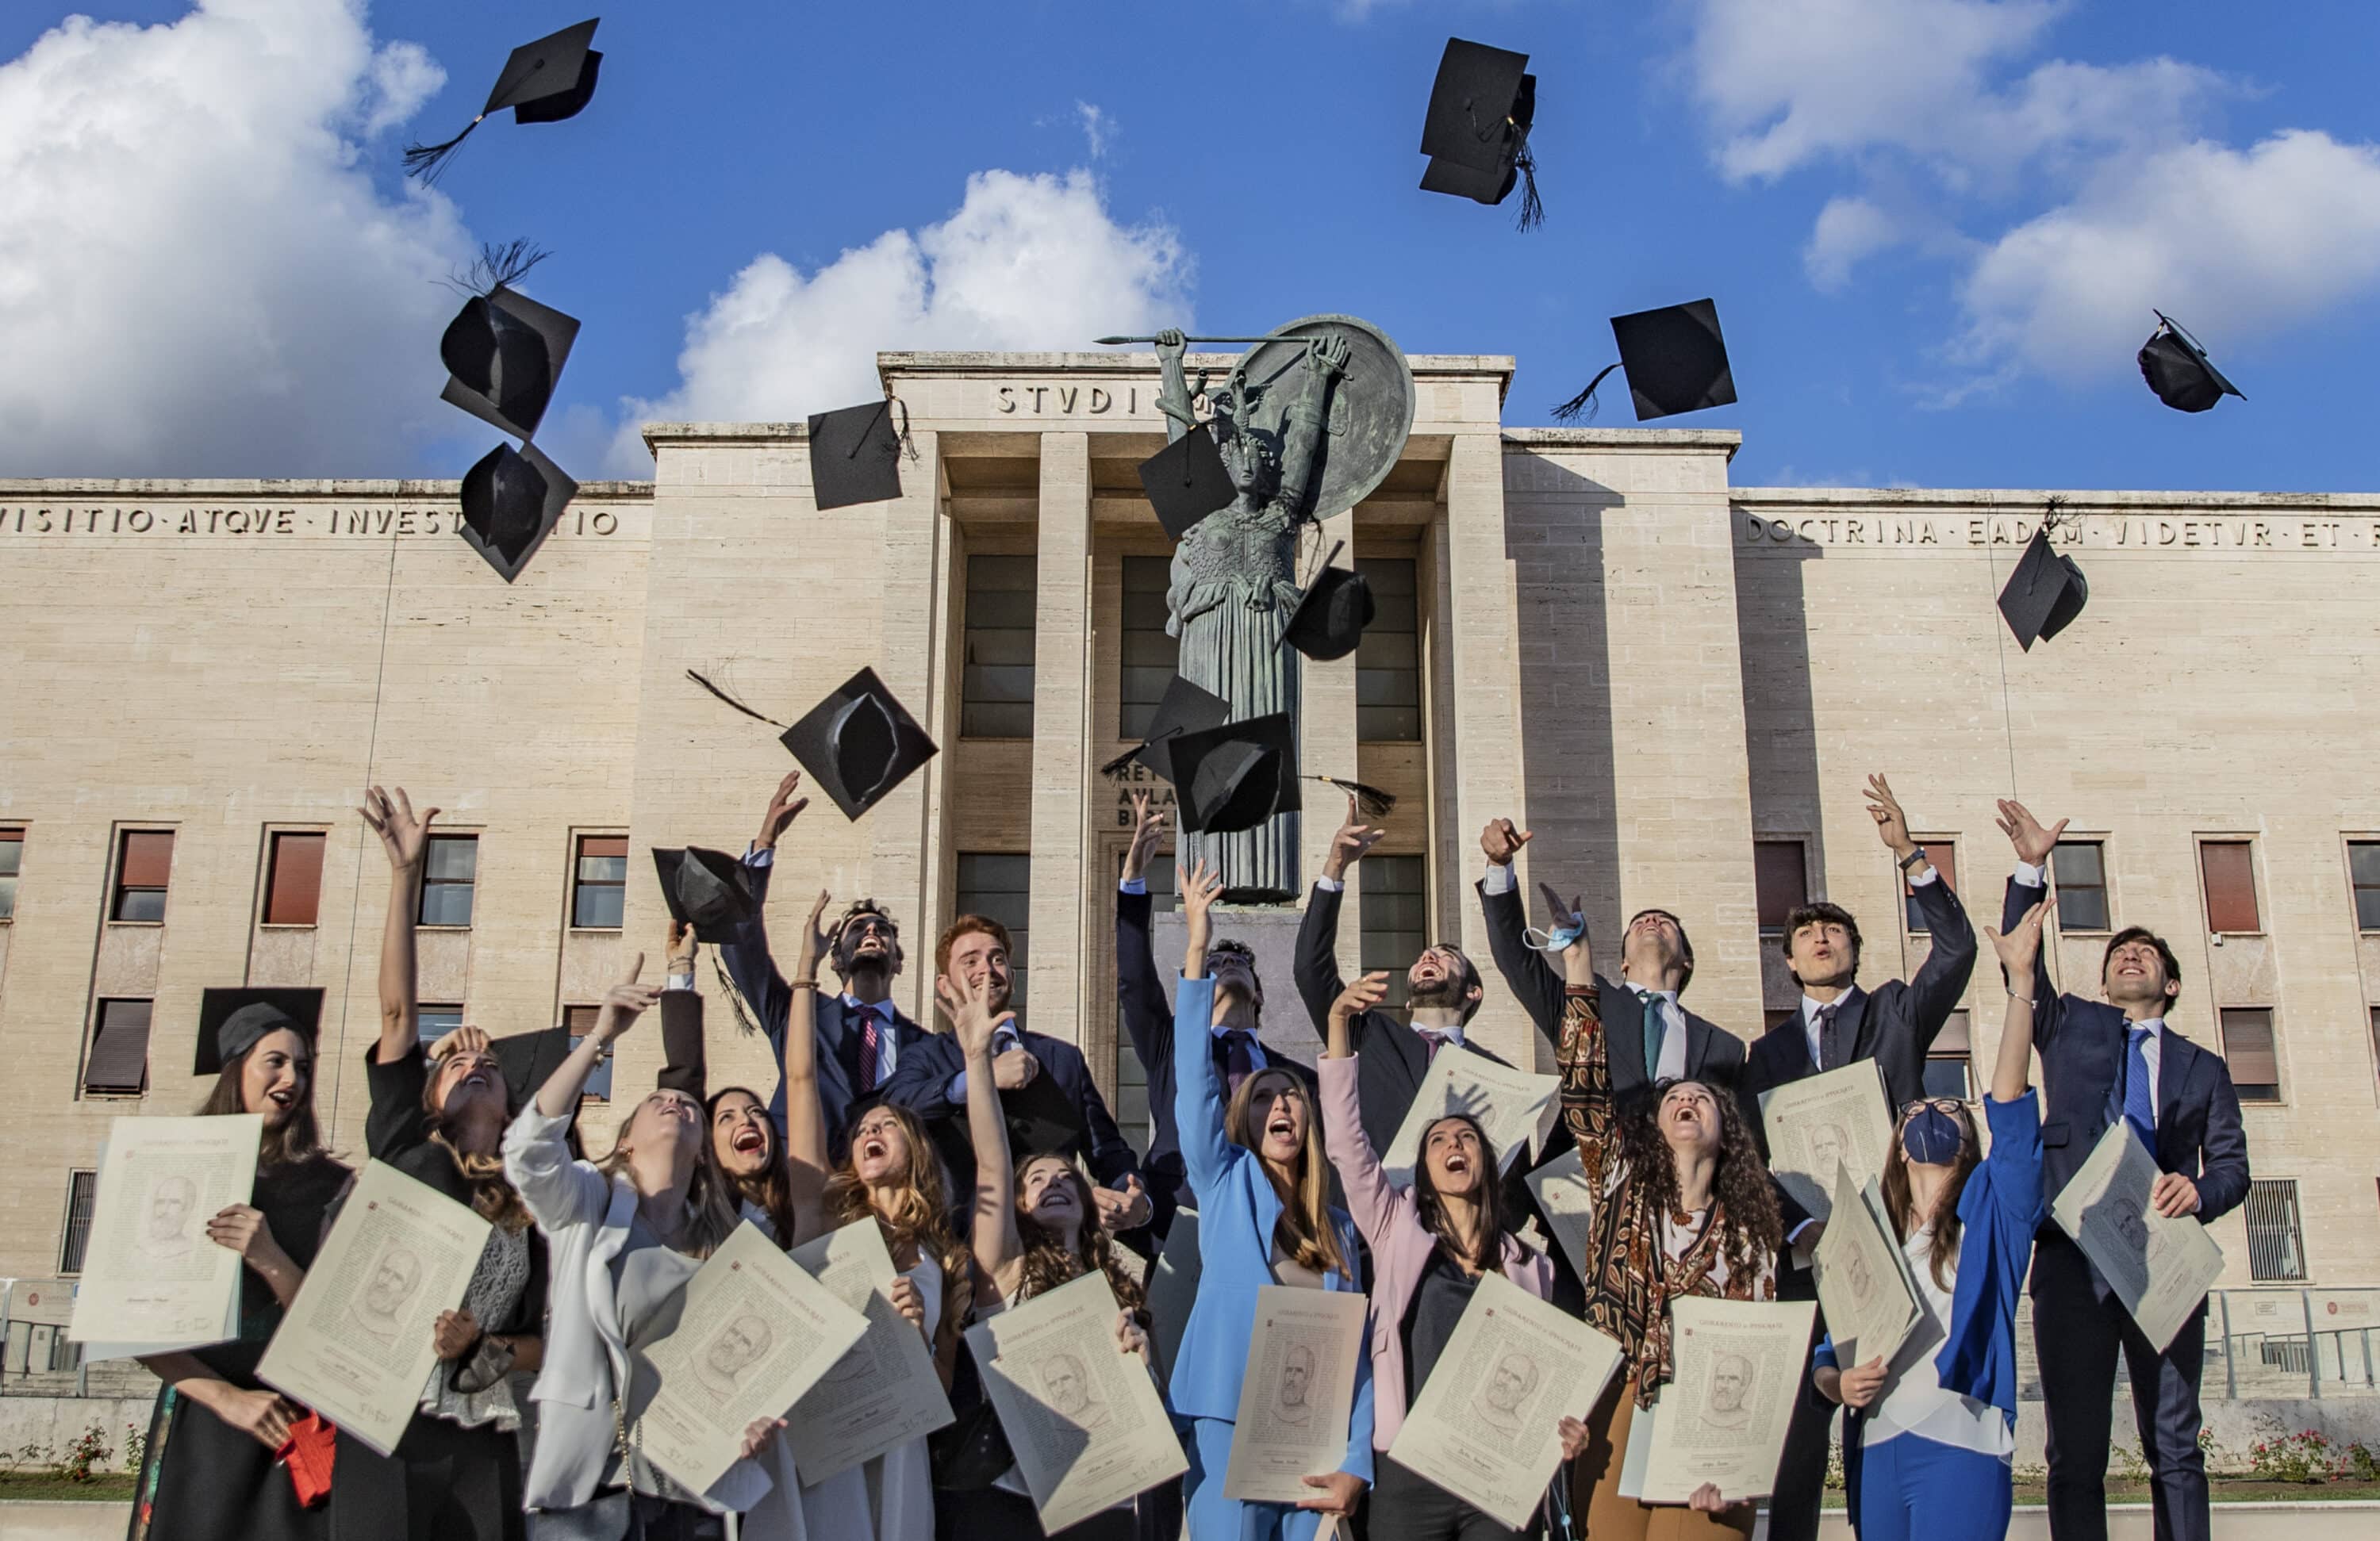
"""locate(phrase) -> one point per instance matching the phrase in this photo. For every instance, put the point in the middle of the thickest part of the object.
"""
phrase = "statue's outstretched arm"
(1326, 364)
(1173, 392)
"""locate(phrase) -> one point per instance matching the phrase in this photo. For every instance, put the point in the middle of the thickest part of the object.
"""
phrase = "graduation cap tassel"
(500, 266)
(427, 161)
(1582, 407)
(907, 448)
(1533, 208)
(744, 1023)
(731, 700)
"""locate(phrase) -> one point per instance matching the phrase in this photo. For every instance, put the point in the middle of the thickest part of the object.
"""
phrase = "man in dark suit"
(1442, 991)
(2102, 1062)
(862, 1036)
(1149, 1020)
(1045, 1083)
(1835, 1024)
(1650, 1036)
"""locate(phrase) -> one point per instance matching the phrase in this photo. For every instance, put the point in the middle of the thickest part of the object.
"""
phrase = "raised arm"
(749, 965)
(1585, 1065)
(1525, 971)
(2012, 1070)
(406, 839)
(993, 1224)
(1325, 363)
(1370, 1199)
(1950, 960)
(807, 1157)
(2033, 842)
(1197, 1086)
(1316, 963)
(557, 1190)
(1139, 991)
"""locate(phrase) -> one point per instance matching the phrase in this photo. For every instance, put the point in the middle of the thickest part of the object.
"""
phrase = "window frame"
(598, 1090)
(118, 890)
(1133, 713)
(99, 1023)
(970, 596)
(1020, 938)
(421, 897)
(1961, 1023)
(1911, 922)
(1796, 842)
(2104, 888)
(2273, 1192)
(1372, 677)
(1378, 947)
(2356, 891)
(580, 883)
(2272, 1030)
(424, 1009)
(2247, 845)
(80, 1181)
(274, 836)
(11, 835)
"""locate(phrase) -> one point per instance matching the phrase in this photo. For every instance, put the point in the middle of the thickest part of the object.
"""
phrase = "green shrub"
(2305, 1456)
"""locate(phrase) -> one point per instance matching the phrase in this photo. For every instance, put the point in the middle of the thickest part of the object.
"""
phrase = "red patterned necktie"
(1432, 1042)
(869, 1048)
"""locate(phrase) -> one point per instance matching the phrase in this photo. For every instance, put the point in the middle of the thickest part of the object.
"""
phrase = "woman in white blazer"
(624, 1234)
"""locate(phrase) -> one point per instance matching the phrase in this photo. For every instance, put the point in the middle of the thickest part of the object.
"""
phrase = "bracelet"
(801, 984)
(2026, 998)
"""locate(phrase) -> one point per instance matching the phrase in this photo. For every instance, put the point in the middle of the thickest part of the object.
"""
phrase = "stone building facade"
(1678, 684)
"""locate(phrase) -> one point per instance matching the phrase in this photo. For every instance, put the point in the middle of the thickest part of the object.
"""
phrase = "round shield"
(1371, 406)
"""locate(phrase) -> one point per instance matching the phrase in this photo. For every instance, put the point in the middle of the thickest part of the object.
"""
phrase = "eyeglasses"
(1949, 1105)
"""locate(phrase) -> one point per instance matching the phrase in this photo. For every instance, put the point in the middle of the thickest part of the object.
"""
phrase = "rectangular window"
(581, 1020)
(293, 879)
(996, 682)
(2081, 869)
(2251, 1053)
(118, 1064)
(1388, 661)
(1948, 1064)
(1780, 880)
(82, 1192)
(2229, 869)
(12, 856)
(600, 884)
(2276, 1244)
(1150, 656)
(449, 869)
(997, 886)
(1778, 1015)
(433, 1023)
(1395, 918)
(1943, 857)
(1131, 1077)
(2363, 871)
(144, 858)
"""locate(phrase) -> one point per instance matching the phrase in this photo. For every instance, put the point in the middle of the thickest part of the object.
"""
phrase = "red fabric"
(311, 1450)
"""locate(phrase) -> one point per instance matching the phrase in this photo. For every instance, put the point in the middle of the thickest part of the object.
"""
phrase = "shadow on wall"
(1779, 711)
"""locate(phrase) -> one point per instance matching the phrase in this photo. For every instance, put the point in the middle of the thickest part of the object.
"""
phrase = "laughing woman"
(1432, 1241)
(209, 1473)
(1684, 1209)
(1262, 1185)
(1931, 1434)
(456, 1470)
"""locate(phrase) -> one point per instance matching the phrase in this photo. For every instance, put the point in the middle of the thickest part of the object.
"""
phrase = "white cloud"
(196, 277)
(2233, 243)
(1097, 127)
(1849, 229)
(1024, 263)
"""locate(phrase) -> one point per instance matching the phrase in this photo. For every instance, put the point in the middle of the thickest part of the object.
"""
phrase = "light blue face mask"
(1556, 940)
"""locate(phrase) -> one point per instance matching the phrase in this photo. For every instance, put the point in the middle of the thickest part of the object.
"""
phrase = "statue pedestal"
(1271, 931)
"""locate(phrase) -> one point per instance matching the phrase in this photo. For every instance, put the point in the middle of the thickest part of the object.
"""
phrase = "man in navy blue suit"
(932, 1083)
(862, 1036)
(2105, 1061)
(1148, 1019)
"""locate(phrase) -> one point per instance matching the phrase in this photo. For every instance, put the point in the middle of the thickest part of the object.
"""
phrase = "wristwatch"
(1915, 859)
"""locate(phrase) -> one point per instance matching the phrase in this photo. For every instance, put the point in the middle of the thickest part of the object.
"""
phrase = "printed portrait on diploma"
(151, 1280)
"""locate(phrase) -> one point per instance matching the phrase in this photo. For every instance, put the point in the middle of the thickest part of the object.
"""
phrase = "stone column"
(1325, 746)
(907, 828)
(1062, 766)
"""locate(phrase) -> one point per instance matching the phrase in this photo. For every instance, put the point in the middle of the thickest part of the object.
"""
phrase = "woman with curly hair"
(1685, 1208)
(439, 1118)
(887, 1172)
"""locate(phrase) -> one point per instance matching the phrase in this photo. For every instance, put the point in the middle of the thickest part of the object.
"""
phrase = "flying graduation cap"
(1185, 708)
(1236, 776)
(1186, 480)
(856, 453)
(710, 890)
(512, 500)
(503, 351)
(858, 745)
(1675, 359)
(2047, 590)
(1476, 131)
(543, 82)
(1330, 617)
(2177, 369)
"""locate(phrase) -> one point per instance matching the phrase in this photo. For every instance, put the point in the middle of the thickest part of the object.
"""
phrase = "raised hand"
(1502, 841)
(680, 948)
(1891, 825)
(463, 1040)
(1148, 829)
(1347, 846)
(816, 941)
(1199, 891)
(1125, 1209)
(2033, 842)
(2022, 943)
(1360, 996)
(1328, 354)
(968, 1007)
(402, 835)
(783, 806)
(624, 1003)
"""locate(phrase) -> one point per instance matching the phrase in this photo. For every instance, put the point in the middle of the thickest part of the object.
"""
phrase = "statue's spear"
(1112, 342)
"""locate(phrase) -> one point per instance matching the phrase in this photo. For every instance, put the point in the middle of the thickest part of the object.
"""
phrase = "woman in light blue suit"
(1263, 1184)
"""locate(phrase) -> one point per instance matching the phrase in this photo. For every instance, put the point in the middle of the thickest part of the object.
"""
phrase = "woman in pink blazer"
(1431, 1242)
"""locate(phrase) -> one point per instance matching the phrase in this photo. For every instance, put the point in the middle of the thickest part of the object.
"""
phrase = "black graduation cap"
(512, 500)
(1676, 362)
(858, 744)
(710, 890)
(232, 1019)
(1236, 776)
(2044, 592)
(1186, 480)
(1330, 619)
(529, 1059)
(543, 82)
(856, 454)
(1476, 131)
(1182, 708)
(2177, 369)
(504, 353)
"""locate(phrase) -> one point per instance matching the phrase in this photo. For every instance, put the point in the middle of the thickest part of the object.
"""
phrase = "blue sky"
(1934, 228)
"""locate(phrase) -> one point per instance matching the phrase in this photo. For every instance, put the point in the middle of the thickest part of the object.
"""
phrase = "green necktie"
(1653, 1025)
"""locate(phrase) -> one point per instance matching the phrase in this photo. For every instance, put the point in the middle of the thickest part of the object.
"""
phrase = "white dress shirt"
(2153, 1051)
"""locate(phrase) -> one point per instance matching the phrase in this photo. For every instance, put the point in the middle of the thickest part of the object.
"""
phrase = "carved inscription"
(262, 523)
(2210, 532)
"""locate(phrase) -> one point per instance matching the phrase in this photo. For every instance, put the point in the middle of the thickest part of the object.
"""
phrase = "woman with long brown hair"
(1685, 1208)
(438, 1117)
(209, 1472)
(1262, 1184)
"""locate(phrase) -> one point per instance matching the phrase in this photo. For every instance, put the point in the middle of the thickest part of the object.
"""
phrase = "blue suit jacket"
(2082, 1047)
(921, 1083)
(1237, 1208)
(757, 978)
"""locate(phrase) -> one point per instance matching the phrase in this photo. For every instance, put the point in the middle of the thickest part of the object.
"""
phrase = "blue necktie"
(2134, 1099)
(1655, 1022)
